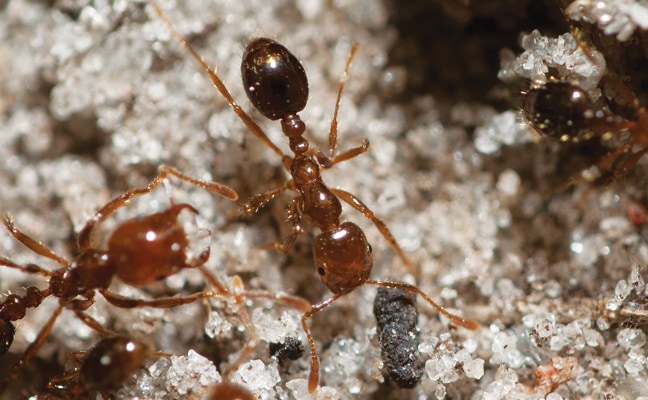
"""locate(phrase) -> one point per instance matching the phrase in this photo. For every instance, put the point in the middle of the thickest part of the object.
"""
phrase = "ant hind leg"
(356, 203)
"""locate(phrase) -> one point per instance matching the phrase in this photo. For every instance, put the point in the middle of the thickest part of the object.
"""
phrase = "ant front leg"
(260, 200)
(76, 358)
(328, 162)
(33, 245)
(294, 215)
(28, 268)
(164, 172)
(355, 202)
(93, 323)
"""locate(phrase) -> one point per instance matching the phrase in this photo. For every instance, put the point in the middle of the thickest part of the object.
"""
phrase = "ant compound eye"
(321, 271)
(370, 248)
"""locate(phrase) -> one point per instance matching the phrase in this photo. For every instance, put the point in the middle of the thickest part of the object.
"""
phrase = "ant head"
(111, 361)
(150, 248)
(274, 79)
(343, 258)
(230, 391)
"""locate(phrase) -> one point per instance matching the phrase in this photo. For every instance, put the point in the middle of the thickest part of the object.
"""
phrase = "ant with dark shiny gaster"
(561, 111)
(277, 86)
(566, 109)
(109, 362)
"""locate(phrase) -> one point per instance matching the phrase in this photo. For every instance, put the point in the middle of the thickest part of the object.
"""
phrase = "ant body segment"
(139, 251)
(229, 391)
(276, 84)
(104, 367)
(561, 111)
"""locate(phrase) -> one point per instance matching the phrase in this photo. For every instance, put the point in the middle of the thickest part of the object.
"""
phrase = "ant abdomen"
(276, 84)
(274, 79)
(7, 333)
(562, 111)
(343, 258)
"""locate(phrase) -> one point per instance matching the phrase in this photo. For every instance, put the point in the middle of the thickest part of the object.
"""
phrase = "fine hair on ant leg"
(276, 84)
(139, 251)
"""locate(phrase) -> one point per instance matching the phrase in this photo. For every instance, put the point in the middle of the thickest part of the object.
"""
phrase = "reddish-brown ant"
(277, 86)
(110, 361)
(139, 251)
(103, 367)
(229, 391)
(561, 111)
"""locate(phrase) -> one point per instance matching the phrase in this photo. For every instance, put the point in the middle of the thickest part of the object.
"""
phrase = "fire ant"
(277, 86)
(110, 361)
(104, 367)
(561, 111)
(229, 391)
(140, 251)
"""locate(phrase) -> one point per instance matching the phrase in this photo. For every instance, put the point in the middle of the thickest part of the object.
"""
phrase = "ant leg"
(294, 215)
(32, 244)
(220, 86)
(334, 122)
(68, 375)
(617, 164)
(354, 202)
(239, 294)
(78, 307)
(455, 319)
(28, 268)
(313, 377)
(213, 187)
(253, 340)
(31, 350)
(327, 162)
(215, 283)
(120, 201)
(260, 200)
(93, 323)
(163, 302)
(624, 164)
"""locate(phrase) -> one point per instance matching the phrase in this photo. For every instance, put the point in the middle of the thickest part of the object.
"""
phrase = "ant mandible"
(277, 86)
(140, 251)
